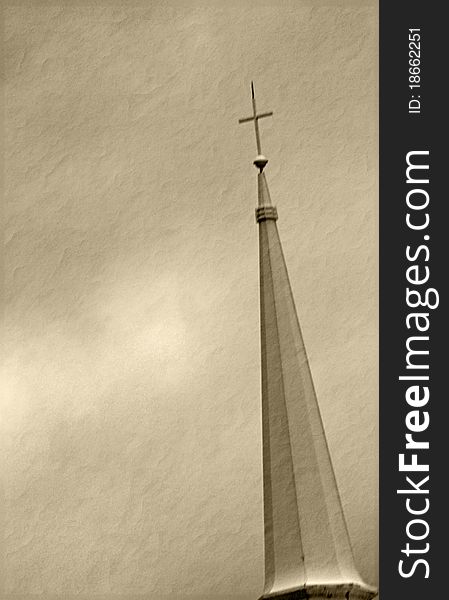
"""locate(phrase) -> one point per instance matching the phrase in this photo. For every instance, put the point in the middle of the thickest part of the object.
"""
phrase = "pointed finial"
(260, 160)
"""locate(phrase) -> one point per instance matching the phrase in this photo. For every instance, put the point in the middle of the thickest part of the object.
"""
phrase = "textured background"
(131, 452)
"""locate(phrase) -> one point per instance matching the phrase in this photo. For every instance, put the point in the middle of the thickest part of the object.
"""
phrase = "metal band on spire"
(260, 160)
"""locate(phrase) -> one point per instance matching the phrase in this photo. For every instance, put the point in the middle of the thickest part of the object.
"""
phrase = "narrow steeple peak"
(260, 161)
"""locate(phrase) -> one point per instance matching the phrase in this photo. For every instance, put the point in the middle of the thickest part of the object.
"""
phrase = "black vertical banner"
(414, 360)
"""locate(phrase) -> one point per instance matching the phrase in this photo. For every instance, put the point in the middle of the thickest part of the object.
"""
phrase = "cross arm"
(259, 116)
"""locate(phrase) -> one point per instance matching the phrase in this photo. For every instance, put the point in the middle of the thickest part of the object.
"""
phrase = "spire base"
(339, 591)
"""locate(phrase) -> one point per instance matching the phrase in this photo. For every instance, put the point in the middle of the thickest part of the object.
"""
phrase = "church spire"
(307, 548)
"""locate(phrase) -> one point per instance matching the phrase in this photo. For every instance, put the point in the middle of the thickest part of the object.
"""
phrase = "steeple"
(307, 549)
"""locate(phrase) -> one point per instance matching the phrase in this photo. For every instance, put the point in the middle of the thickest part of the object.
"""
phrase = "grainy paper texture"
(131, 373)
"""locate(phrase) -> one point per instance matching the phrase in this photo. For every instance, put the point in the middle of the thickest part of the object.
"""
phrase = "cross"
(256, 118)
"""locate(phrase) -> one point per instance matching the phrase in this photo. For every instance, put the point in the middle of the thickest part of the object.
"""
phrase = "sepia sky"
(131, 425)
